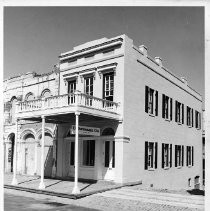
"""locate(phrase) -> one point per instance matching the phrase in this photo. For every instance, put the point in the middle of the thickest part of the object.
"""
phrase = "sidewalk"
(58, 187)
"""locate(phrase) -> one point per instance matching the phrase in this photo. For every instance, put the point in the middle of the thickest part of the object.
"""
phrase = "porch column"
(41, 184)
(14, 180)
(76, 188)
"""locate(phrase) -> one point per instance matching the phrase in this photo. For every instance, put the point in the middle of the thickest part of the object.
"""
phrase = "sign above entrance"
(83, 130)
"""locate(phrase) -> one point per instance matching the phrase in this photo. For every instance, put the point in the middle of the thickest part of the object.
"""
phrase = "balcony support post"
(41, 184)
(76, 189)
(14, 180)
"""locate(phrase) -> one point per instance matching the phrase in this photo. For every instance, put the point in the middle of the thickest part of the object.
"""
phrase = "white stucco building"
(109, 112)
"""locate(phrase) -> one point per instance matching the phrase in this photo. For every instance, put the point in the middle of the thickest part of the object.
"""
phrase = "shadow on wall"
(196, 192)
(48, 162)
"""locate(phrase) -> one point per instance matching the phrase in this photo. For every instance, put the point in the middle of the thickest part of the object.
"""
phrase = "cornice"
(78, 52)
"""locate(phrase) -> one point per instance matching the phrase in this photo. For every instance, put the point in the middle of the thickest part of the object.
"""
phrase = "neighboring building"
(132, 119)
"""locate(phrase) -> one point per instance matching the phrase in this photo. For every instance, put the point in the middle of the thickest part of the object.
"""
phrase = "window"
(29, 96)
(166, 107)
(189, 116)
(151, 101)
(197, 120)
(108, 86)
(71, 90)
(179, 112)
(151, 149)
(72, 146)
(190, 155)
(166, 155)
(109, 154)
(89, 89)
(88, 152)
(179, 155)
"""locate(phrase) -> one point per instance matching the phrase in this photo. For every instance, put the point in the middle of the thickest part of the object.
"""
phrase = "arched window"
(13, 108)
(46, 93)
(108, 132)
(29, 96)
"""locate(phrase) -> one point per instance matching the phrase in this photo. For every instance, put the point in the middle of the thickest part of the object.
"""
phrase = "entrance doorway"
(109, 159)
(11, 152)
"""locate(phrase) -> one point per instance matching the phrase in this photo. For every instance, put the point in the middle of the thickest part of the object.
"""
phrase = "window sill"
(190, 126)
(151, 169)
(189, 166)
(179, 123)
(166, 168)
(152, 115)
(179, 167)
(168, 120)
(198, 128)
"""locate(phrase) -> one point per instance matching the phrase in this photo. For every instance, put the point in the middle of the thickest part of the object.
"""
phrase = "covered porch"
(73, 111)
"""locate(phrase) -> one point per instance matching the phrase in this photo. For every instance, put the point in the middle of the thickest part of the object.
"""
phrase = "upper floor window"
(190, 155)
(197, 120)
(46, 93)
(108, 86)
(166, 155)
(166, 107)
(71, 90)
(151, 101)
(179, 155)
(89, 89)
(151, 152)
(179, 112)
(29, 96)
(189, 116)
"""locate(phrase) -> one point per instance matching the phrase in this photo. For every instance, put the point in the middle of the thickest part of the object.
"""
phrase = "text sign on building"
(83, 130)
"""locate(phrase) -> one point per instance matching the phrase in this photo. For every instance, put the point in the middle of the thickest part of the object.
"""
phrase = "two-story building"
(115, 114)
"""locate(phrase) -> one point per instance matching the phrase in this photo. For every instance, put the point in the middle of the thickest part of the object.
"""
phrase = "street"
(20, 203)
(21, 200)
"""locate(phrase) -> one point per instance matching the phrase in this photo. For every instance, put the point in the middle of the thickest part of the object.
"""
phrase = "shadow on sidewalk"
(28, 181)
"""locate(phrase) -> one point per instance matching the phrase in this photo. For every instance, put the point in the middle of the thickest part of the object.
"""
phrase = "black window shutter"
(182, 113)
(163, 156)
(192, 117)
(146, 98)
(163, 105)
(146, 156)
(199, 119)
(171, 108)
(175, 111)
(170, 155)
(175, 155)
(156, 154)
(192, 156)
(182, 155)
(187, 155)
(156, 103)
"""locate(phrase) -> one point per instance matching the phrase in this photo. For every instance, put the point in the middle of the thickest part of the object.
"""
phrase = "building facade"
(107, 112)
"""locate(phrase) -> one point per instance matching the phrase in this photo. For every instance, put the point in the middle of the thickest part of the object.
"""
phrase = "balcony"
(66, 104)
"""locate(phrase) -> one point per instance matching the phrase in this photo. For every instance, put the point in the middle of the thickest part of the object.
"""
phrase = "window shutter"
(192, 156)
(192, 117)
(146, 156)
(187, 155)
(175, 155)
(163, 105)
(146, 98)
(163, 156)
(171, 108)
(182, 155)
(175, 111)
(182, 113)
(156, 154)
(170, 155)
(156, 103)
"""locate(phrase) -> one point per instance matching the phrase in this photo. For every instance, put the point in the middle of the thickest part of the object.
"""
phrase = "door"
(109, 159)
(71, 159)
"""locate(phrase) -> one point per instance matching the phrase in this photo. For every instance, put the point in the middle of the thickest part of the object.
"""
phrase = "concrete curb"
(70, 196)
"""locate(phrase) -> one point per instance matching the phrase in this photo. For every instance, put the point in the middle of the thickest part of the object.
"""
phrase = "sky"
(34, 37)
